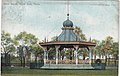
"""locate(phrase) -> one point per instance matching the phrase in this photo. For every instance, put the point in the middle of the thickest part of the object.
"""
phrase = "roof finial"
(67, 9)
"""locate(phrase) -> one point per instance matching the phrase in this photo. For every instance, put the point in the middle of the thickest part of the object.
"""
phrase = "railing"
(67, 61)
(15, 64)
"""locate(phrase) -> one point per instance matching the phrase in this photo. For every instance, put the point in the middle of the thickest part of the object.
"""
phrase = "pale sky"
(97, 19)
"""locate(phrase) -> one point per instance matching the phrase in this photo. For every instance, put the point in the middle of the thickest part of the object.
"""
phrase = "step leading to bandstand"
(67, 66)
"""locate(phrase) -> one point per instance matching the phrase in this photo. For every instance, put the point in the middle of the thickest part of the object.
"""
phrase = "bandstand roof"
(68, 35)
(68, 38)
(68, 44)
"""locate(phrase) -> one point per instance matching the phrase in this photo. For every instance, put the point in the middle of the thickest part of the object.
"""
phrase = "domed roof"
(68, 23)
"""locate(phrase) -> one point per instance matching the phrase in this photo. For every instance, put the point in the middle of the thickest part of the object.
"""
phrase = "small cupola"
(67, 23)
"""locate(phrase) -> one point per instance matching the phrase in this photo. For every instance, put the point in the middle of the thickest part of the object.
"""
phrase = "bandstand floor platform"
(68, 66)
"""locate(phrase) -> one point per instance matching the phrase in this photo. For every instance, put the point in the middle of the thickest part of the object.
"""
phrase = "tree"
(52, 53)
(24, 39)
(24, 54)
(37, 50)
(79, 32)
(68, 54)
(7, 45)
(83, 52)
(115, 51)
(54, 38)
(62, 52)
(20, 52)
(97, 48)
(107, 47)
(102, 48)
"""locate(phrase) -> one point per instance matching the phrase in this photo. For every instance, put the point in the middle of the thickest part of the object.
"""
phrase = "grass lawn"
(39, 72)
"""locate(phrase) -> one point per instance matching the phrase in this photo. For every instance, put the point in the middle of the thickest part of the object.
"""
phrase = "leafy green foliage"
(26, 38)
(52, 53)
(79, 32)
(106, 48)
(54, 38)
(7, 42)
(115, 50)
(36, 50)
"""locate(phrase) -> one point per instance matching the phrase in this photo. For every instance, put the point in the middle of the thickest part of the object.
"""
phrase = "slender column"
(76, 54)
(90, 55)
(47, 55)
(56, 55)
(44, 56)
(45, 50)
(57, 47)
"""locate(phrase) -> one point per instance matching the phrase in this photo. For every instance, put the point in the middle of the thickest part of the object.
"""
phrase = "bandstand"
(67, 40)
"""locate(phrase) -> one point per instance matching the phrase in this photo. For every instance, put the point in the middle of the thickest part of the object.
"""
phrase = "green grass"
(38, 72)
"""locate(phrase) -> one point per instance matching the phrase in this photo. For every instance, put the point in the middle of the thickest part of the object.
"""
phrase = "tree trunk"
(6, 61)
(106, 60)
(36, 59)
(95, 57)
(70, 55)
(23, 61)
(115, 60)
(62, 57)
(83, 56)
(9, 59)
